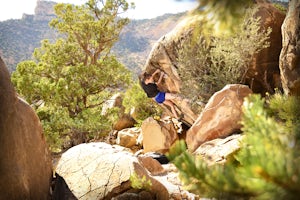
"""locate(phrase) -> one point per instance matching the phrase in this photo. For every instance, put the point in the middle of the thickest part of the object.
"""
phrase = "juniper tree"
(69, 80)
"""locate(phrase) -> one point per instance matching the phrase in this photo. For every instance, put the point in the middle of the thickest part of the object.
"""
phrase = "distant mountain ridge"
(19, 38)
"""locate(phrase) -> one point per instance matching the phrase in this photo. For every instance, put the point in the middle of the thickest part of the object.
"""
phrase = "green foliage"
(207, 66)
(272, 145)
(286, 110)
(222, 16)
(135, 98)
(140, 182)
(94, 29)
(221, 182)
(73, 77)
(280, 6)
(266, 167)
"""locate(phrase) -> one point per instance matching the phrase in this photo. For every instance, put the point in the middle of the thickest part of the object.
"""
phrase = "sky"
(144, 9)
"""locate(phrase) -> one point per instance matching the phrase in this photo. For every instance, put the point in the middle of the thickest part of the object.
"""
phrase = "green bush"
(208, 64)
(140, 182)
(90, 124)
(135, 98)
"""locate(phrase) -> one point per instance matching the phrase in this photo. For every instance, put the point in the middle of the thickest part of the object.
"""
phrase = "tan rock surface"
(158, 136)
(290, 54)
(102, 171)
(128, 137)
(220, 117)
(264, 74)
(94, 170)
(26, 168)
(218, 150)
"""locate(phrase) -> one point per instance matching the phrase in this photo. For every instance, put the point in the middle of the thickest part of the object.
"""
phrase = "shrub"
(136, 98)
(208, 64)
(140, 182)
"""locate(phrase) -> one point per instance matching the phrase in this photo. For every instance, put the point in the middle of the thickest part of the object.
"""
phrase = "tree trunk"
(290, 54)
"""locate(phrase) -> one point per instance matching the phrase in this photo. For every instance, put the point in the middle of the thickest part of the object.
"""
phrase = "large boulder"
(164, 56)
(102, 171)
(96, 170)
(263, 74)
(26, 168)
(164, 53)
(220, 117)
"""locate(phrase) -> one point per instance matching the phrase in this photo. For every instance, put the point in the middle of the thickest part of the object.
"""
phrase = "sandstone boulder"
(124, 121)
(26, 168)
(218, 151)
(152, 165)
(128, 137)
(263, 74)
(102, 171)
(220, 117)
(158, 136)
(164, 56)
(96, 170)
(99, 171)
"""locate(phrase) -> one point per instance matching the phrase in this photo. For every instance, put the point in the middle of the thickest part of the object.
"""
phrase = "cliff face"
(44, 10)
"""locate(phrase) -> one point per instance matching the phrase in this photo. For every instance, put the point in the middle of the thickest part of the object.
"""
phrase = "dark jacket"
(151, 89)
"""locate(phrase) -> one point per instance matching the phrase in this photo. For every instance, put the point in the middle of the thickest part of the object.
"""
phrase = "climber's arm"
(156, 72)
(160, 78)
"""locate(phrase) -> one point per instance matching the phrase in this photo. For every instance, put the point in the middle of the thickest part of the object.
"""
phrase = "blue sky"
(145, 9)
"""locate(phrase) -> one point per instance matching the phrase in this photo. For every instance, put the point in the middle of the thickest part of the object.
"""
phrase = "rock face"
(220, 117)
(114, 101)
(290, 54)
(128, 137)
(25, 169)
(95, 170)
(219, 150)
(264, 74)
(163, 56)
(158, 136)
(44, 10)
(102, 171)
(124, 121)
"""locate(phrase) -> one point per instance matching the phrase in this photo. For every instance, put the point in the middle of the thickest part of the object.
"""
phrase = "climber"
(151, 89)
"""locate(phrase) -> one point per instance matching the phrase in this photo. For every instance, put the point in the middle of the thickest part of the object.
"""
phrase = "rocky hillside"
(19, 38)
